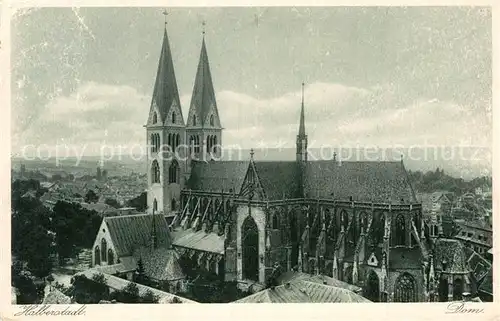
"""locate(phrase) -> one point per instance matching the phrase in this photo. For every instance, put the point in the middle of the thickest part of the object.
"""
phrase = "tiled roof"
(479, 265)
(302, 291)
(320, 293)
(217, 176)
(160, 264)
(165, 91)
(404, 258)
(115, 268)
(278, 178)
(290, 293)
(451, 251)
(363, 181)
(117, 283)
(291, 276)
(486, 285)
(200, 240)
(129, 232)
(203, 97)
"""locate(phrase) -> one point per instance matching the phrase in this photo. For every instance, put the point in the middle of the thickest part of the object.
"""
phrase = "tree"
(88, 291)
(24, 282)
(129, 294)
(139, 203)
(112, 202)
(31, 238)
(75, 228)
(149, 297)
(91, 197)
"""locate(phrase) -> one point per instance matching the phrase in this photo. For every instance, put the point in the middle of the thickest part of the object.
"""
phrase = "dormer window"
(211, 120)
(155, 118)
(173, 117)
(194, 120)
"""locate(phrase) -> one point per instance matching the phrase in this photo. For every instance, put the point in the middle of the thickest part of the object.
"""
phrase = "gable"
(212, 111)
(372, 260)
(179, 119)
(154, 109)
(252, 183)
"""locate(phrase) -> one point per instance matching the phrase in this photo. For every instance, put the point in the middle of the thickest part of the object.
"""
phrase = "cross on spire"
(203, 23)
(251, 153)
(165, 13)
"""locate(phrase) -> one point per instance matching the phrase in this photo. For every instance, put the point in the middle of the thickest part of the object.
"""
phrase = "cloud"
(94, 115)
(336, 116)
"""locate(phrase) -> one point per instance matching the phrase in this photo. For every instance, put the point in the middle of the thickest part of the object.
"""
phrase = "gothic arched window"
(155, 118)
(111, 257)
(173, 205)
(194, 120)
(177, 140)
(155, 172)
(169, 141)
(173, 117)
(97, 255)
(275, 221)
(104, 249)
(399, 231)
(211, 120)
(173, 172)
(405, 289)
(458, 289)
(155, 205)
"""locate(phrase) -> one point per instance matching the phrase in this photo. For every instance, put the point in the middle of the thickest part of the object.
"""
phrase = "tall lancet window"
(155, 172)
(104, 249)
(155, 118)
(173, 117)
(399, 231)
(194, 120)
(211, 120)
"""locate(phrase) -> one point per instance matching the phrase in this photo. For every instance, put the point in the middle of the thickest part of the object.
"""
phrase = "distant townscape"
(196, 229)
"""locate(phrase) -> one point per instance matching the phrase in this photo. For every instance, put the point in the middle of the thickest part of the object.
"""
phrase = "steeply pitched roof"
(217, 176)
(278, 179)
(130, 232)
(160, 264)
(452, 251)
(203, 91)
(165, 91)
(321, 293)
(486, 285)
(363, 181)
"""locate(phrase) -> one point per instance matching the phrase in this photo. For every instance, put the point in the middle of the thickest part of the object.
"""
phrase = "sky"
(374, 76)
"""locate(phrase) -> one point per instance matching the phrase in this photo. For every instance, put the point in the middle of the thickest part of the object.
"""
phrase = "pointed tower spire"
(301, 143)
(203, 110)
(302, 125)
(165, 92)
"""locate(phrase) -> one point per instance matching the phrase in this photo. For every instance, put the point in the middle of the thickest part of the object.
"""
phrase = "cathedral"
(356, 221)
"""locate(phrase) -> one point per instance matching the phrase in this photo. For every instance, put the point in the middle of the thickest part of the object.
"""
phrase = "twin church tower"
(173, 143)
